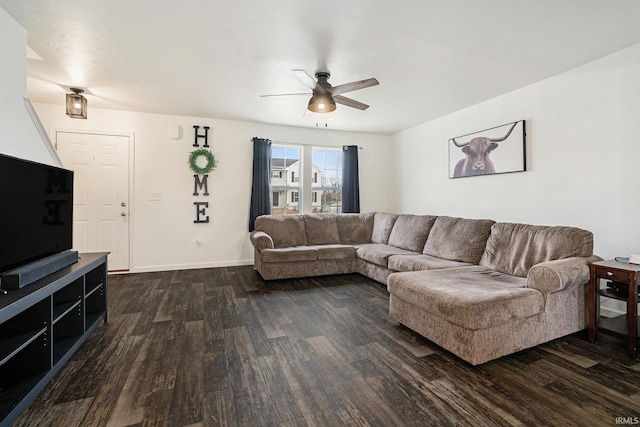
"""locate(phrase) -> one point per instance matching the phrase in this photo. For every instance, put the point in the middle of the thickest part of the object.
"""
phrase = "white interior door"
(101, 192)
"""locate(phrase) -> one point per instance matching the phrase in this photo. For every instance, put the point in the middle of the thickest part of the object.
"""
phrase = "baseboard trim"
(154, 268)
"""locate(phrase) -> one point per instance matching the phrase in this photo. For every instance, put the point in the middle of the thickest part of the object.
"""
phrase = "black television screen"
(36, 211)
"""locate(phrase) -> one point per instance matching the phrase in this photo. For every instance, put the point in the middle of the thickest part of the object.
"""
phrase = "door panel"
(101, 192)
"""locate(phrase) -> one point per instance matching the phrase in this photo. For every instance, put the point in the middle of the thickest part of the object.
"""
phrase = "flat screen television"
(36, 212)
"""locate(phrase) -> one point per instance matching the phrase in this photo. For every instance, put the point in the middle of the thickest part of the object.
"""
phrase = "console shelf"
(43, 324)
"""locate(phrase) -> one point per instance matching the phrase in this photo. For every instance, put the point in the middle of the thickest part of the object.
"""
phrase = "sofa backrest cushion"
(515, 248)
(322, 229)
(355, 227)
(458, 239)
(382, 226)
(285, 230)
(410, 231)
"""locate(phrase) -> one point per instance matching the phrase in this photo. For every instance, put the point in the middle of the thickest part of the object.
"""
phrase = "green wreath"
(193, 161)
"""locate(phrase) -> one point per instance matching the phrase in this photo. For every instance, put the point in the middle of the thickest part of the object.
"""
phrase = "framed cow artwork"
(501, 149)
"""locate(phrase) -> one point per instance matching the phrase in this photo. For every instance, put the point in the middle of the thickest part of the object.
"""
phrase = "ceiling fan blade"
(348, 87)
(286, 94)
(350, 102)
(308, 80)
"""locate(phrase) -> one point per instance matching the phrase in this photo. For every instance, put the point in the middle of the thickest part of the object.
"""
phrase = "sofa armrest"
(261, 240)
(557, 275)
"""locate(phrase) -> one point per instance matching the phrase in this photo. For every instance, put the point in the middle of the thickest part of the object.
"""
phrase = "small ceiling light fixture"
(321, 103)
(76, 104)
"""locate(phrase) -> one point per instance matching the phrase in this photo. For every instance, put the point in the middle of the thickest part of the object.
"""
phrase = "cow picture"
(492, 151)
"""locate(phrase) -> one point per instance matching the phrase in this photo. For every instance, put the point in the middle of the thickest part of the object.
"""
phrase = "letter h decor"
(205, 136)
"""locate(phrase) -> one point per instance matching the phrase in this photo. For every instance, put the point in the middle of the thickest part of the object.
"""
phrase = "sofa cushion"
(321, 229)
(336, 251)
(382, 226)
(471, 297)
(421, 262)
(378, 254)
(410, 231)
(291, 254)
(355, 227)
(458, 239)
(285, 230)
(515, 248)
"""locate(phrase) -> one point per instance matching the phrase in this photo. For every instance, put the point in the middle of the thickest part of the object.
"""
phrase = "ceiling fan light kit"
(76, 104)
(321, 103)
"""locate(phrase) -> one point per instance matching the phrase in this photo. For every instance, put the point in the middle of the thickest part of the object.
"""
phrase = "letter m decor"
(201, 185)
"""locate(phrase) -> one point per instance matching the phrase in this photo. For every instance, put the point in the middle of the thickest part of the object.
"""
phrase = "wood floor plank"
(222, 347)
(219, 402)
(68, 414)
(189, 389)
(251, 394)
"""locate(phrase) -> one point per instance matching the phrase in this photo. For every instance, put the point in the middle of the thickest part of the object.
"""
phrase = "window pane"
(332, 159)
(327, 163)
(285, 174)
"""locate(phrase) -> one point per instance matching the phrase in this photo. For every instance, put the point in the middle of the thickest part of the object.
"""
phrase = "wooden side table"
(624, 326)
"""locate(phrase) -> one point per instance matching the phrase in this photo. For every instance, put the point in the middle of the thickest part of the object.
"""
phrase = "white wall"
(583, 157)
(163, 233)
(18, 134)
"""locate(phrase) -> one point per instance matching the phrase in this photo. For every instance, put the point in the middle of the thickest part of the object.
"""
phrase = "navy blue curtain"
(350, 181)
(261, 187)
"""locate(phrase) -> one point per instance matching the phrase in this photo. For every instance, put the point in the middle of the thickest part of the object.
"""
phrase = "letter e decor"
(501, 149)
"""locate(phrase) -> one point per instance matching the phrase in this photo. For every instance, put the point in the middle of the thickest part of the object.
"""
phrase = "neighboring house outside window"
(285, 165)
(322, 183)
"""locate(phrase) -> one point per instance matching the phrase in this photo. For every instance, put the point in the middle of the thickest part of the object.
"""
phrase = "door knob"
(123, 204)
(123, 214)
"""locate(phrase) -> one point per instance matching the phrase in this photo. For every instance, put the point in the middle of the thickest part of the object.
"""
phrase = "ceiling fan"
(324, 96)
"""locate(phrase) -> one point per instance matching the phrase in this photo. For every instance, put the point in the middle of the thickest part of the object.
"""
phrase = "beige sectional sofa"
(478, 288)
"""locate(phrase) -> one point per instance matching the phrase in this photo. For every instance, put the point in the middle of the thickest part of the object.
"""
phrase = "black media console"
(43, 324)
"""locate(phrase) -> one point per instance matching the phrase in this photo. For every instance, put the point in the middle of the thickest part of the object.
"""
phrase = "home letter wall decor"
(201, 170)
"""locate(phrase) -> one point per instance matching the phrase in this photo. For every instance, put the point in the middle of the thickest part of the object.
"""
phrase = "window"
(285, 171)
(314, 186)
(329, 165)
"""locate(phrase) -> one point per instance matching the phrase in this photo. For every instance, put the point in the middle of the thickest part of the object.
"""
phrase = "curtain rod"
(306, 143)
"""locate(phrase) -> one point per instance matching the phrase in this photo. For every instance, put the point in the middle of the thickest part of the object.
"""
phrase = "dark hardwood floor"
(218, 347)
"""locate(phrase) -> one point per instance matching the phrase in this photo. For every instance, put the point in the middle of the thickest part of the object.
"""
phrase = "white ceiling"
(213, 58)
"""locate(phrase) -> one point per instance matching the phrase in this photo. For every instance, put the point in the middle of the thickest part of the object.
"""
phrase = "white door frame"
(131, 203)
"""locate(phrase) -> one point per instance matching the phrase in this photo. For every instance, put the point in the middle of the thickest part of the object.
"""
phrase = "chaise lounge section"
(478, 288)
(528, 288)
